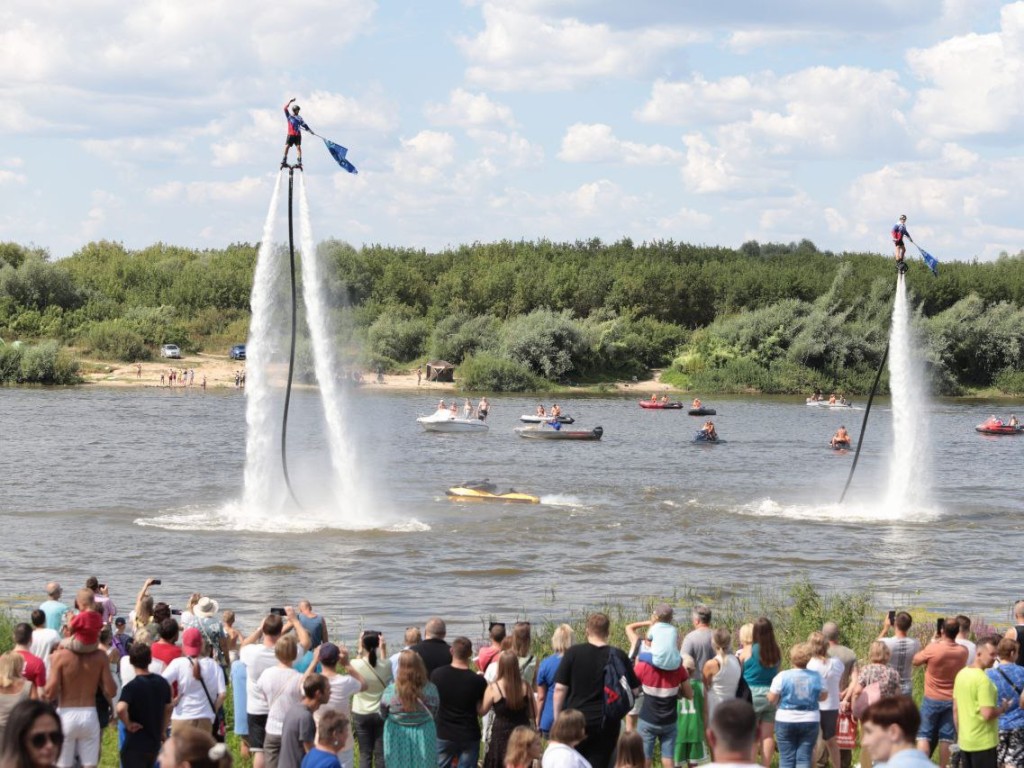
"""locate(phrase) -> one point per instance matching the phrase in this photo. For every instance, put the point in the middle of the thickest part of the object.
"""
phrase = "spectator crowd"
(162, 677)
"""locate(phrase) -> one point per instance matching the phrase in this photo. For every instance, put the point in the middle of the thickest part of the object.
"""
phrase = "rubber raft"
(998, 428)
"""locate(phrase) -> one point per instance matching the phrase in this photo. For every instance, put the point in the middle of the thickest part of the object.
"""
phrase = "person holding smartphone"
(902, 647)
(942, 660)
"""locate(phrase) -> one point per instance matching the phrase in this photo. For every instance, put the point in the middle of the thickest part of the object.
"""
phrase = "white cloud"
(247, 188)
(698, 100)
(522, 50)
(747, 40)
(976, 82)
(595, 143)
(508, 149)
(465, 110)
(138, 148)
(12, 177)
(424, 158)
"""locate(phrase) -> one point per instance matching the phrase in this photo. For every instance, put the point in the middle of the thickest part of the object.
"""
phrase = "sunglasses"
(39, 740)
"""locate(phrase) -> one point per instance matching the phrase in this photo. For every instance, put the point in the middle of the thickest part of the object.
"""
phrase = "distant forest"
(517, 316)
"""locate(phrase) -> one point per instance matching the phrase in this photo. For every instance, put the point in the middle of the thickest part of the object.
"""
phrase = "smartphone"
(892, 616)
(175, 611)
(102, 586)
(154, 582)
(940, 624)
(277, 611)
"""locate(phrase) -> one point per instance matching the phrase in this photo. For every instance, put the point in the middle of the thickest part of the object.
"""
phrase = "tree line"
(517, 315)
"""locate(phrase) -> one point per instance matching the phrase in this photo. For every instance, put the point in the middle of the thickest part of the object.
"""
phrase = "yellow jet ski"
(486, 491)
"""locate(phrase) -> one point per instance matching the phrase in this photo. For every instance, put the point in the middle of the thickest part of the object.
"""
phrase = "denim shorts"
(936, 721)
(666, 734)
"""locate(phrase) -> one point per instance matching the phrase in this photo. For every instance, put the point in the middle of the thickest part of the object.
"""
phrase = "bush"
(458, 336)
(548, 343)
(487, 373)
(1010, 382)
(116, 339)
(44, 363)
(397, 336)
(10, 364)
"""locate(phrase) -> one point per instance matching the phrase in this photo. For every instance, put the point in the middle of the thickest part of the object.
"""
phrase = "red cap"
(192, 641)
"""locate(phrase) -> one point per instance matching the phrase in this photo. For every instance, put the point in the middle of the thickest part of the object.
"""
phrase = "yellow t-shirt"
(972, 690)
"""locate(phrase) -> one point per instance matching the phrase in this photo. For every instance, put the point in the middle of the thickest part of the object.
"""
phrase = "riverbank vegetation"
(519, 316)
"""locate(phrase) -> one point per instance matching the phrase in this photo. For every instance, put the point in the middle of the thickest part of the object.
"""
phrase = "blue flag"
(339, 152)
(931, 261)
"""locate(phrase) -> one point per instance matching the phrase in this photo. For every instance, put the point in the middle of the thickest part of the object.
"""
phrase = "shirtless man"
(555, 411)
(696, 403)
(709, 430)
(73, 681)
(841, 437)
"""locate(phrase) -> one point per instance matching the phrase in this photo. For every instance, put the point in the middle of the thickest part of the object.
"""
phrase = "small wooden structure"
(440, 370)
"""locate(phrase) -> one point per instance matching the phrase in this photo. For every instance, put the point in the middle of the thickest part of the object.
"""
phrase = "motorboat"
(543, 432)
(997, 427)
(702, 411)
(651, 405)
(444, 421)
(487, 491)
(826, 404)
(527, 419)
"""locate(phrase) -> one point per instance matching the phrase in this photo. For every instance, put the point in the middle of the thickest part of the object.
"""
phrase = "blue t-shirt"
(799, 691)
(546, 677)
(54, 613)
(1014, 717)
(238, 690)
(320, 758)
(907, 758)
(664, 639)
(315, 626)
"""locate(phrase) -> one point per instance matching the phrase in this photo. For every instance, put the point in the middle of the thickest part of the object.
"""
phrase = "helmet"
(295, 109)
(903, 216)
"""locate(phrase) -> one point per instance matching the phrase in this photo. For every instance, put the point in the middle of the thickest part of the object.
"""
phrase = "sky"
(480, 120)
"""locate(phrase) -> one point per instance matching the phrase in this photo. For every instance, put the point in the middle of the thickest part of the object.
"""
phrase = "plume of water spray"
(347, 492)
(263, 478)
(908, 473)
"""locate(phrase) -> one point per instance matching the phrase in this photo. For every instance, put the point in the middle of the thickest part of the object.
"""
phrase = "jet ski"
(486, 491)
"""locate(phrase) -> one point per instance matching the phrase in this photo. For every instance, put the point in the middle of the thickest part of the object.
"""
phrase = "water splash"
(909, 485)
(353, 501)
(263, 476)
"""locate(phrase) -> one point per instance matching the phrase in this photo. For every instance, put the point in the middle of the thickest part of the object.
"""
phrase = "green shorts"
(763, 708)
(690, 752)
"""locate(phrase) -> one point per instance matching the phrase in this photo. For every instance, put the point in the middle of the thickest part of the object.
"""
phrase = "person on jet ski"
(841, 437)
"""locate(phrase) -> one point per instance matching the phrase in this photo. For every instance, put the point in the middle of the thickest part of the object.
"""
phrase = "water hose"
(291, 352)
(867, 411)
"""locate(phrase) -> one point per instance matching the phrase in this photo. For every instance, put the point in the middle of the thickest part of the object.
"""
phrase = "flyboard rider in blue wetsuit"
(295, 127)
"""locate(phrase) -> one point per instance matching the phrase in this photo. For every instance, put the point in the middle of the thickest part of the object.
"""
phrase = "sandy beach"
(220, 373)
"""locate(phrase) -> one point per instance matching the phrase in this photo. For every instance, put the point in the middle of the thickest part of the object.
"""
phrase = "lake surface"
(132, 483)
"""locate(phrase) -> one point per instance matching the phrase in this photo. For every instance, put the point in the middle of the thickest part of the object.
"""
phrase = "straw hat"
(206, 608)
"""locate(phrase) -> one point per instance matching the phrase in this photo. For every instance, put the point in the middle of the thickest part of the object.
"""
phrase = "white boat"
(444, 421)
(826, 404)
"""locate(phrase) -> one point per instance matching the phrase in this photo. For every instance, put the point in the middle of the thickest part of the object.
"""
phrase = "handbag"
(868, 696)
(219, 729)
(846, 731)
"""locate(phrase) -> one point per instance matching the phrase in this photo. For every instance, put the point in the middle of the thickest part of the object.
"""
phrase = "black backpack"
(618, 696)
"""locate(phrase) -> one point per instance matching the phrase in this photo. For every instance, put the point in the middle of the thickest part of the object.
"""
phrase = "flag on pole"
(339, 153)
(931, 261)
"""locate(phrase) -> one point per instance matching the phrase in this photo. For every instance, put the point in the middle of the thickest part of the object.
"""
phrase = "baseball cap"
(192, 641)
(329, 654)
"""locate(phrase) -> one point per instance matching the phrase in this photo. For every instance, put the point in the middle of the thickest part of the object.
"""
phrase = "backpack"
(743, 691)
(617, 698)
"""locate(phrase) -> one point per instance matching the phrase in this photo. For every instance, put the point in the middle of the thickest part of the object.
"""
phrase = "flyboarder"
(295, 123)
(899, 231)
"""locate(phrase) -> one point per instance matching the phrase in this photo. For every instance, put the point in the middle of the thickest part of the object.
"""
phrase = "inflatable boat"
(653, 406)
(998, 428)
(702, 411)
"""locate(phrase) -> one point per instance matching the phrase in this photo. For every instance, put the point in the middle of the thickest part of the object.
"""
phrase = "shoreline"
(220, 374)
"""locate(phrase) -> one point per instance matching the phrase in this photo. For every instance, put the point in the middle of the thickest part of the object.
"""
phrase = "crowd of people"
(162, 678)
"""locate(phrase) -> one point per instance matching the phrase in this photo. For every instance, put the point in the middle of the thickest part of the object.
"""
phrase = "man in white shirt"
(732, 734)
(44, 639)
(964, 638)
(257, 653)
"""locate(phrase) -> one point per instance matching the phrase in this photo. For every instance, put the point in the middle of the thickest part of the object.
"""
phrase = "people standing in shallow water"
(841, 438)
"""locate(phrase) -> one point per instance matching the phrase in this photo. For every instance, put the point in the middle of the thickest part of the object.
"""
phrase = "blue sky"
(705, 122)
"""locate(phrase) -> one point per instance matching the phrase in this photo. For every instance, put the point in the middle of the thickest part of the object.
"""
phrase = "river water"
(134, 483)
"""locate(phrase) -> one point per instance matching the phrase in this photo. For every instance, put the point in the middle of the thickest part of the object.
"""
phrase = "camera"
(155, 582)
(940, 624)
(892, 616)
(175, 611)
(371, 633)
(277, 611)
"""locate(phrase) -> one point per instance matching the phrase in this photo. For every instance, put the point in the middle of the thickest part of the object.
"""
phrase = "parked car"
(170, 350)
(237, 352)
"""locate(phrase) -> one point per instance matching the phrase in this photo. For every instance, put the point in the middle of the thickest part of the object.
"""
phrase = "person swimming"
(709, 431)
